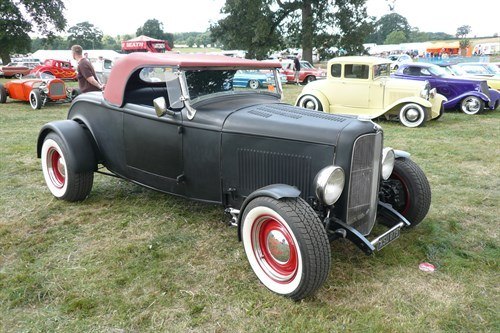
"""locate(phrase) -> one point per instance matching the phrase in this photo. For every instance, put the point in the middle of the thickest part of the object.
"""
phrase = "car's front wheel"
(472, 105)
(59, 172)
(286, 245)
(407, 190)
(412, 115)
(310, 102)
(3, 94)
(254, 84)
(36, 101)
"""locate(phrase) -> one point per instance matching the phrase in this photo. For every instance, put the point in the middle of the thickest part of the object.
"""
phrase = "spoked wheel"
(310, 102)
(472, 105)
(58, 171)
(254, 84)
(407, 190)
(412, 115)
(3, 94)
(36, 99)
(286, 245)
(18, 76)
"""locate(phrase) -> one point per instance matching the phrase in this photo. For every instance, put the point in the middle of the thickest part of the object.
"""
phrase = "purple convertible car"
(471, 95)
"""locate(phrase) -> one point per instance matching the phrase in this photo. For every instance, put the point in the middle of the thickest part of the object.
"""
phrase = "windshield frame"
(438, 71)
(277, 79)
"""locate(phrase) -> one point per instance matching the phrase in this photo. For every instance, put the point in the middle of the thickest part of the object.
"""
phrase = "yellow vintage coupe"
(362, 86)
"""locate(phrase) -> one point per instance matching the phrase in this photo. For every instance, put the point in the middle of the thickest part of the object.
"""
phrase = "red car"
(58, 68)
(307, 72)
(37, 90)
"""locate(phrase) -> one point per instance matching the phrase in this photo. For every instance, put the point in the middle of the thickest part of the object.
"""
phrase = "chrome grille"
(57, 89)
(364, 182)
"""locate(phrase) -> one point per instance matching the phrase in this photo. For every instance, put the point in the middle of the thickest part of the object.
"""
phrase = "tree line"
(257, 26)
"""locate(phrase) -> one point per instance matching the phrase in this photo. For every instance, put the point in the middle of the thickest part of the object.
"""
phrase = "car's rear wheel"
(286, 245)
(36, 99)
(310, 102)
(59, 172)
(412, 115)
(254, 84)
(310, 78)
(472, 105)
(3, 94)
(407, 190)
(18, 76)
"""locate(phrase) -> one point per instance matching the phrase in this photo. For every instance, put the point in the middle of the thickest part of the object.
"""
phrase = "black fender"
(275, 191)
(78, 143)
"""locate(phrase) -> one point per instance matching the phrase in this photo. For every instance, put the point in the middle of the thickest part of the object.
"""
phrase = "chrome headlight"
(388, 159)
(329, 184)
(424, 94)
(433, 92)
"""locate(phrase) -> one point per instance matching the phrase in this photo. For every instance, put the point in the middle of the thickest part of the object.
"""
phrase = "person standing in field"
(296, 65)
(87, 79)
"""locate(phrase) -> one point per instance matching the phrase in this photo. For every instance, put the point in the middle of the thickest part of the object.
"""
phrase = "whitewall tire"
(286, 245)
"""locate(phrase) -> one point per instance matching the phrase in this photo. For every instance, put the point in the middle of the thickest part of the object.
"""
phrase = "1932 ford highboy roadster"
(292, 179)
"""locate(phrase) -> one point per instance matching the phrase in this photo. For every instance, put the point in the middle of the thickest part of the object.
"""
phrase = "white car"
(398, 59)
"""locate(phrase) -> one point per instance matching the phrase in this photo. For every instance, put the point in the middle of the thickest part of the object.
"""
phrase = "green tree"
(387, 24)
(396, 37)
(261, 25)
(20, 17)
(110, 43)
(52, 43)
(86, 35)
(154, 29)
(463, 31)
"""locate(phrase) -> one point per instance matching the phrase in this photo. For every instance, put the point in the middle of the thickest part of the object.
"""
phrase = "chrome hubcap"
(278, 246)
(61, 168)
(472, 105)
(412, 115)
(310, 105)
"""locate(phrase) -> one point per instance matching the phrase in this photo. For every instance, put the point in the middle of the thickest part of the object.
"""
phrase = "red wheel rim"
(275, 249)
(56, 168)
(407, 192)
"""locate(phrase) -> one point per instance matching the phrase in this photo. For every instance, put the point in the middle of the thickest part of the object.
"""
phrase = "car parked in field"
(308, 72)
(58, 68)
(18, 69)
(398, 59)
(291, 179)
(470, 95)
(37, 90)
(454, 70)
(362, 86)
(255, 79)
(480, 68)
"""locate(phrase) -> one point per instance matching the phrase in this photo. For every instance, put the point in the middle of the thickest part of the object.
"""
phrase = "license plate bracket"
(388, 238)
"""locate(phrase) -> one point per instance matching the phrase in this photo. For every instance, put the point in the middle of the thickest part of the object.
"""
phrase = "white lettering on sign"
(134, 44)
(159, 46)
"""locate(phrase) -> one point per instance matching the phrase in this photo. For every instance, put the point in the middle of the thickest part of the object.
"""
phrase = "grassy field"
(129, 259)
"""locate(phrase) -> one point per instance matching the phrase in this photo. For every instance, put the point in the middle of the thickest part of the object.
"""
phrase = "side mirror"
(161, 107)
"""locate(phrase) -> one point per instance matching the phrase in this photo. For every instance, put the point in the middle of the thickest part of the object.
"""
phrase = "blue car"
(255, 79)
(470, 95)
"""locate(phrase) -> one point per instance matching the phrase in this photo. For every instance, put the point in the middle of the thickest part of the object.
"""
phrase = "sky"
(119, 17)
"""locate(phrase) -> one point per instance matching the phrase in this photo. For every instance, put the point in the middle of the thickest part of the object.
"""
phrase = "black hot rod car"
(291, 179)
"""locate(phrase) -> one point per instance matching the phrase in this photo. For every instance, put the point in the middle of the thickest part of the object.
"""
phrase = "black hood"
(288, 122)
